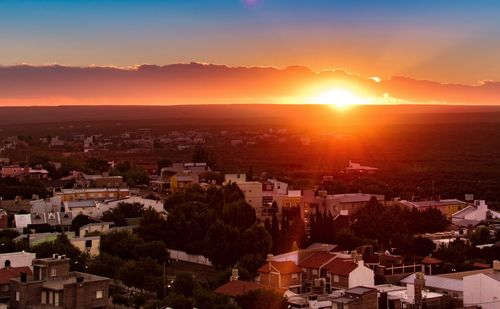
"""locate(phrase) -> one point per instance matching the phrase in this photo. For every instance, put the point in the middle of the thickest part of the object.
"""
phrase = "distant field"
(448, 150)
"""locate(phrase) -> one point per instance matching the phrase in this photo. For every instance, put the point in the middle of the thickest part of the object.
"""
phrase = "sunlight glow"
(338, 98)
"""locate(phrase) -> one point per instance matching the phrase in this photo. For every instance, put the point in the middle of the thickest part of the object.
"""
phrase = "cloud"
(209, 83)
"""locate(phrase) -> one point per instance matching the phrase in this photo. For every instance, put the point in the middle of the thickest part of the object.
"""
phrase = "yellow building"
(91, 194)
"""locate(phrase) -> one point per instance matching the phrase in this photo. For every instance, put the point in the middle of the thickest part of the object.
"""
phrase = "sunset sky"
(441, 41)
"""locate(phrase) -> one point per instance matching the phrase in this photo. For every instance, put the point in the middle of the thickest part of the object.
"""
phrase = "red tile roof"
(341, 267)
(316, 260)
(8, 273)
(286, 267)
(431, 260)
(237, 287)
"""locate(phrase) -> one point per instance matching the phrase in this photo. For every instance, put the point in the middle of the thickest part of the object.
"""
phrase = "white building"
(253, 195)
(473, 214)
(16, 259)
(483, 289)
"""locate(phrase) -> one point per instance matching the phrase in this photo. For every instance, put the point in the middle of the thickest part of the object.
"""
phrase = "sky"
(442, 41)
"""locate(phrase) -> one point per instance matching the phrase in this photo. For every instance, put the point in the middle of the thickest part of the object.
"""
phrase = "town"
(95, 221)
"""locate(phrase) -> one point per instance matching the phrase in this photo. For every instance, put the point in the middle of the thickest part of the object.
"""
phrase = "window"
(98, 294)
(315, 272)
(44, 298)
(51, 298)
(56, 299)
(295, 276)
(88, 243)
(17, 296)
(53, 272)
(5, 288)
(336, 278)
(7, 263)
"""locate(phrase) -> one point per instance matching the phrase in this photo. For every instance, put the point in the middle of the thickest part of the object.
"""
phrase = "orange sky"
(196, 83)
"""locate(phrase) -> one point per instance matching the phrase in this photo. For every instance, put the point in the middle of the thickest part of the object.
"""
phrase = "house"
(342, 204)
(357, 168)
(99, 194)
(183, 180)
(446, 206)
(252, 190)
(97, 227)
(87, 244)
(16, 259)
(359, 297)
(53, 285)
(283, 275)
(147, 203)
(82, 207)
(483, 289)
(346, 274)
(235, 178)
(452, 287)
(100, 181)
(313, 268)
(473, 214)
(8, 273)
(412, 296)
(235, 287)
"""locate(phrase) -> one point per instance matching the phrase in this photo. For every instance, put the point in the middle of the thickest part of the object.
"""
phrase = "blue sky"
(455, 41)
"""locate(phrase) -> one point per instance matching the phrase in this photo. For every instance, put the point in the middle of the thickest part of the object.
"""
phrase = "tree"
(184, 284)
(105, 265)
(256, 244)
(79, 221)
(223, 245)
(121, 243)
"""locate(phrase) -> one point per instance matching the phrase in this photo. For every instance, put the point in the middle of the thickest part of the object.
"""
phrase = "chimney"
(419, 286)
(269, 257)
(234, 274)
(496, 265)
(24, 277)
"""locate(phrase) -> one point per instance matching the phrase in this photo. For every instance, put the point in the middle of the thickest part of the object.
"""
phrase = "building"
(357, 168)
(8, 273)
(235, 287)
(252, 190)
(342, 204)
(235, 178)
(97, 227)
(284, 275)
(99, 194)
(100, 181)
(473, 214)
(359, 297)
(147, 203)
(81, 207)
(483, 289)
(346, 274)
(53, 285)
(452, 287)
(183, 180)
(16, 259)
(87, 244)
(446, 206)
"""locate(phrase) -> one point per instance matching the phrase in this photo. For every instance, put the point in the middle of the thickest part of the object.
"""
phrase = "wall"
(183, 256)
(481, 289)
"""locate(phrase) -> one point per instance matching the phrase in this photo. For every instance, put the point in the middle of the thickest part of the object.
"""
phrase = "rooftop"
(286, 267)
(316, 260)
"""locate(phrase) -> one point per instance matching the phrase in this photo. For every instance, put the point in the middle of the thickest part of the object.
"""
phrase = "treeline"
(384, 227)
(216, 223)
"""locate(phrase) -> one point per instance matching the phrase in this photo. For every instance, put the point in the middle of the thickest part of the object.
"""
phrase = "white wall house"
(362, 276)
(483, 289)
(473, 214)
(16, 259)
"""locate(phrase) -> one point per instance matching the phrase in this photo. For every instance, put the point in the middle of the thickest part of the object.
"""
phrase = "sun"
(338, 98)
